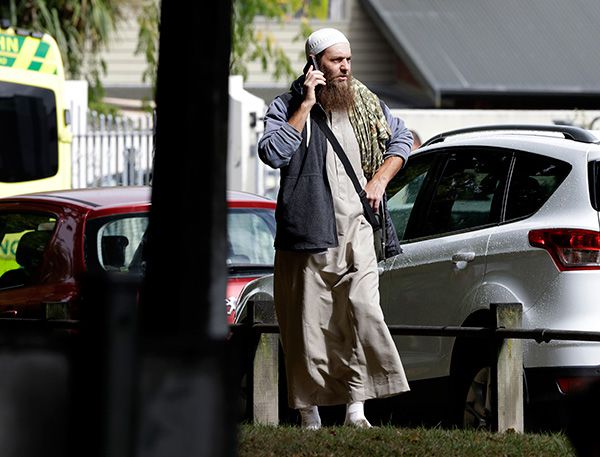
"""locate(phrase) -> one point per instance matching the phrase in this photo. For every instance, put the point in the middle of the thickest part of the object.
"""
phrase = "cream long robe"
(336, 344)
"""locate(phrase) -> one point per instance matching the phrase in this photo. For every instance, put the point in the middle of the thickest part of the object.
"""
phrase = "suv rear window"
(534, 179)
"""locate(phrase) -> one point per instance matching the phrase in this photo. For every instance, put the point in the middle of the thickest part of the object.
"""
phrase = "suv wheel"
(478, 401)
(471, 404)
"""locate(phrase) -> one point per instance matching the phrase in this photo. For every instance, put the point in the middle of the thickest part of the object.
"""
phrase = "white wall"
(428, 123)
(245, 171)
(76, 95)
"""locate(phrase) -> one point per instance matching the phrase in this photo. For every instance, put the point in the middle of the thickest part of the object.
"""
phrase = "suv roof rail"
(570, 132)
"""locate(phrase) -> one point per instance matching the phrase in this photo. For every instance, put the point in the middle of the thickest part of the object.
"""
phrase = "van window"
(30, 134)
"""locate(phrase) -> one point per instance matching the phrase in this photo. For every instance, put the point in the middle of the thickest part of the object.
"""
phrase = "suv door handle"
(463, 257)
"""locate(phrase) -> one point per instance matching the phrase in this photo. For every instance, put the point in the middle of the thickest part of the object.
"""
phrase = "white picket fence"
(119, 150)
(111, 150)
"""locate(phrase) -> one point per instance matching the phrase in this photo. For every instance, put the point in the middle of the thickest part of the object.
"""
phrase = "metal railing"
(111, 150)
(507, 375)
(263, 375)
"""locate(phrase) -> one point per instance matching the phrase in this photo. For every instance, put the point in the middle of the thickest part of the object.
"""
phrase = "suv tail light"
(572, 384)
(571, 249)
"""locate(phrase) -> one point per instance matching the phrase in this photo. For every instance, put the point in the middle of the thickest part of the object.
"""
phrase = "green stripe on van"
(42, 50)
(35, 66)
(7, 61)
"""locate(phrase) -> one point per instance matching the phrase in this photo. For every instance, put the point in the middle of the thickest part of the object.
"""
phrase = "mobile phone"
(312, 60)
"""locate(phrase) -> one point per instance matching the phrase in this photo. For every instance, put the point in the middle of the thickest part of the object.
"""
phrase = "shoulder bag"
(384, 234)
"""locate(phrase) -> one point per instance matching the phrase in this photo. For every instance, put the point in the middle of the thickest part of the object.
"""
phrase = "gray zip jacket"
(304, 214)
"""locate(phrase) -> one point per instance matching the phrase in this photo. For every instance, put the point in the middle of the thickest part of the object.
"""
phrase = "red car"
(250, 237)
(48, 240)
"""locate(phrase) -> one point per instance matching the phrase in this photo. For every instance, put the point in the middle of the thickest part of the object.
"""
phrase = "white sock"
(310, 418)
(355, 415)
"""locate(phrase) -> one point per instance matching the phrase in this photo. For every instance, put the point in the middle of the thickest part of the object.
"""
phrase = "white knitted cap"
(321, 39)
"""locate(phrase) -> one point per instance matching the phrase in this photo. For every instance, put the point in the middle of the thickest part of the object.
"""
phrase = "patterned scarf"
(370, 127)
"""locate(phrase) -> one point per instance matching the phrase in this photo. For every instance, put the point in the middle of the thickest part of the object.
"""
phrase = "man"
(337, 347)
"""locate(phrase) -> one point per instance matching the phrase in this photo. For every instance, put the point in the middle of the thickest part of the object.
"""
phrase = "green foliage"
(257, 441)
(248, 45)
(149, 23)
(81, 28)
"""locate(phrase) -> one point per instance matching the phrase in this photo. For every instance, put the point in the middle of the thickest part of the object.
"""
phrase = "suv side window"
(404, 189)
(468, 193)
(533, 181)
(24, 238)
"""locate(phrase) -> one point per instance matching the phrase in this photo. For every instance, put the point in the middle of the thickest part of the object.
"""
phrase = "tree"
(149, 21)
(247, 45)
(81, 28)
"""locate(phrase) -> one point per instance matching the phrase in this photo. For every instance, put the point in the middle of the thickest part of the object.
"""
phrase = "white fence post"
(510, 370)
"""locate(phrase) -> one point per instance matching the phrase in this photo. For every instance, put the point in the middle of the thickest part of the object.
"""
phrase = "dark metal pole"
(185, 390)
(105, 368)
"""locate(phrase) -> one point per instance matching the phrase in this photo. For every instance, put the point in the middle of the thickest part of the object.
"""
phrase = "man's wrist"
(306, 105)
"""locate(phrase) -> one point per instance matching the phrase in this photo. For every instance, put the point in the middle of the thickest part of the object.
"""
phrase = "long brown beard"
(337, 96)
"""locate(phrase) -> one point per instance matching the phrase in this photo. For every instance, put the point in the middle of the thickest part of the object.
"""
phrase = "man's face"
(335, 64)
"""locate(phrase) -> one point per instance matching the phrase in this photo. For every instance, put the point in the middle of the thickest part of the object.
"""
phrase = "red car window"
(24, 238)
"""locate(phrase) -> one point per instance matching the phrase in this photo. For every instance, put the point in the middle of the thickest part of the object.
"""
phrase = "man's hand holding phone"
(314, 78)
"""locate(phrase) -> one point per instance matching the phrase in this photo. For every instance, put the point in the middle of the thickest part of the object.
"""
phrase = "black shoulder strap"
(337, 147)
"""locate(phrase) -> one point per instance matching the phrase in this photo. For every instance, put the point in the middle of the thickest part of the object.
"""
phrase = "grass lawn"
(255, 440)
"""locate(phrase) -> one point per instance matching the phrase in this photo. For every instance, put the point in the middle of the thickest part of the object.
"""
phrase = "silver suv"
(496, 214)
